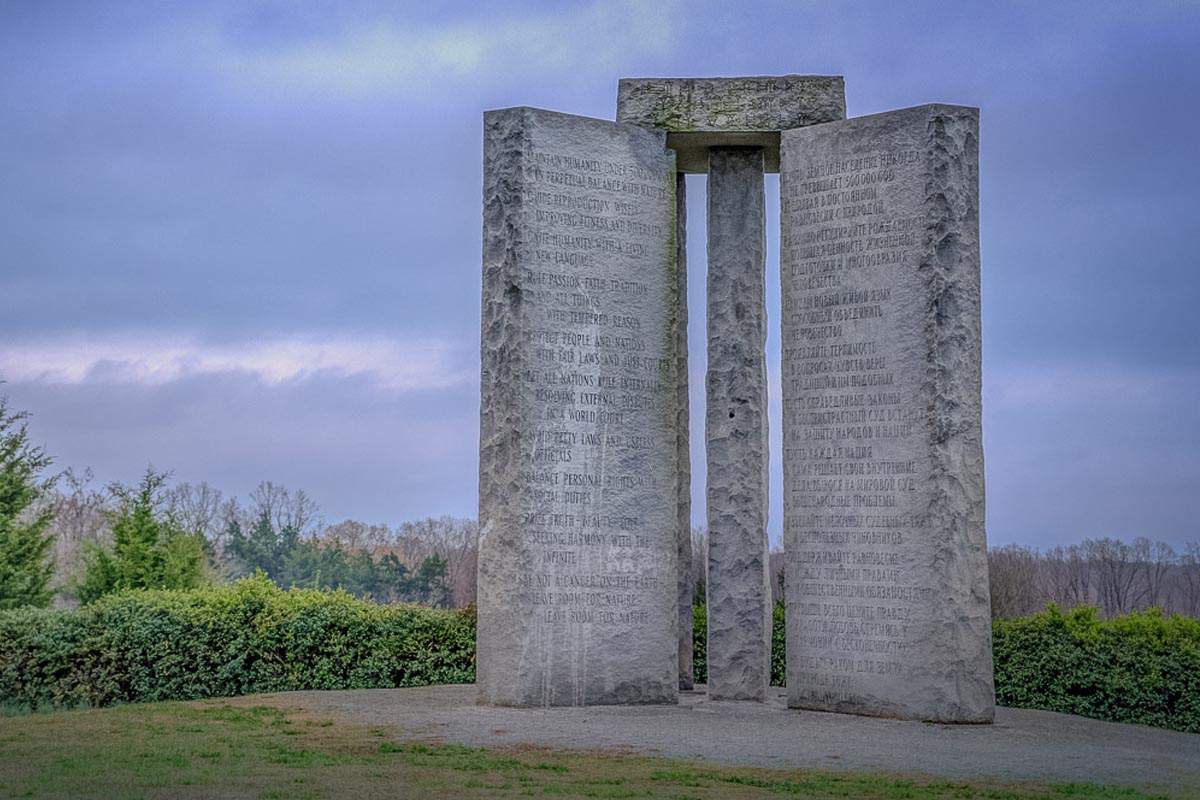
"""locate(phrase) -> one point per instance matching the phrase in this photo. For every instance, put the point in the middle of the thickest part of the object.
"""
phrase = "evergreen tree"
(263, 548)
(363, 575)
(429, 585)
(393, 578)
(25, 564)
(307, 562)
(311, 565)
(150, 550)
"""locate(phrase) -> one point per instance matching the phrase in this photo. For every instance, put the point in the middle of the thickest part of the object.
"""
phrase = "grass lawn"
(212, 749)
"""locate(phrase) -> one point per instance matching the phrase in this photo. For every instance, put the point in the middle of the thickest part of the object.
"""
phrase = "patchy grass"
(234, 749)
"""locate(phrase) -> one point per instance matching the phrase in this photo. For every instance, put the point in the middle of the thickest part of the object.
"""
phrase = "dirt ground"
(1022, 745)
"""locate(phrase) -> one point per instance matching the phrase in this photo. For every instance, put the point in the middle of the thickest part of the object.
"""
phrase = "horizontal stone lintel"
(699, 113)
(691, 147)
(761, 103)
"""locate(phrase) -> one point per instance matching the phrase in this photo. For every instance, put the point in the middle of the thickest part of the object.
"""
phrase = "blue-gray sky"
(240, 240)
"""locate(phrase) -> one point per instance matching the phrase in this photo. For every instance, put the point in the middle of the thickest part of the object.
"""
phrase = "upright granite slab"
(578, 541)
(699, 113)
(886, 576)
(685, 579)
(739, 592)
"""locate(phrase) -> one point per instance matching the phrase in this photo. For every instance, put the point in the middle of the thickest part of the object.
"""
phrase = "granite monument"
(585, 589)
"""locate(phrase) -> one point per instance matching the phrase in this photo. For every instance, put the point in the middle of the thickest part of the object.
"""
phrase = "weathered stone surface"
(578, 444)
(683, 419)
(887, 582)
(699, 113)
(764, 103)
(739, 596)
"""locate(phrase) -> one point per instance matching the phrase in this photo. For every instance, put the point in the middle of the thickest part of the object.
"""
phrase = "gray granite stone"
(762, 103)
(739, 596)
(887, 582)
(578, 589)
(685, 578)
(699, 113)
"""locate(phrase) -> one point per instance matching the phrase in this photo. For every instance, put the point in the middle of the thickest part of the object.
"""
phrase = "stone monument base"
(1024, 745)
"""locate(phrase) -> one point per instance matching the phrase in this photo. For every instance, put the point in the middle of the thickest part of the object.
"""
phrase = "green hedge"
(247, 637)
(1142, 668)
(253, 637)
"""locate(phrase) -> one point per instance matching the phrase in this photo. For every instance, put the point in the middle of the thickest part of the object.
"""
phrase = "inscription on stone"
(578, 445)
(886, 570)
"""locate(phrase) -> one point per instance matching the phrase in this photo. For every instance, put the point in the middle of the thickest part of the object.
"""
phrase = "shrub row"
(1142, 667)
(244, 638)
(254, 637)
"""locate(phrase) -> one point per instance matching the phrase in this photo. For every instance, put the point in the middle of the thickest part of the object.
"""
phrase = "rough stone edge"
(951, 269)
(506, 139)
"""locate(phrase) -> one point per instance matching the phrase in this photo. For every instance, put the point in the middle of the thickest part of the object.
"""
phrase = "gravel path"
(1022, 745)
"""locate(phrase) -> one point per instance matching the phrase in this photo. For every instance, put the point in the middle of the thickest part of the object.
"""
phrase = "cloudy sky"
(240, 240)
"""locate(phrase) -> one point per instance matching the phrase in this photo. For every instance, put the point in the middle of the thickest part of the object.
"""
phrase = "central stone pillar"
(684, 581)
(739, 595)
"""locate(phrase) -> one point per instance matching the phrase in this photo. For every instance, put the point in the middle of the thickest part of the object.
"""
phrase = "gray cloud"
(360, 452)
(200, 183)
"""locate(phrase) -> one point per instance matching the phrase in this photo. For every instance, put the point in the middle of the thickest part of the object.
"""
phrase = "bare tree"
(699, 563)
(1013, 575)
(1053, 582)
(457, 542)
(354, 535)
(1189, 579)
(1066, 576)
(1155, 560)
(453, 539)
(1117, 574)
(1081, 574)
(79, 521)
(463, 579)
(285, 508)
(349, 533)
(197, 507)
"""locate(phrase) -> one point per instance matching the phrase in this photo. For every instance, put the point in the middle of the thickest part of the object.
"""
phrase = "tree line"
(1113, 575)
(65, 538)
